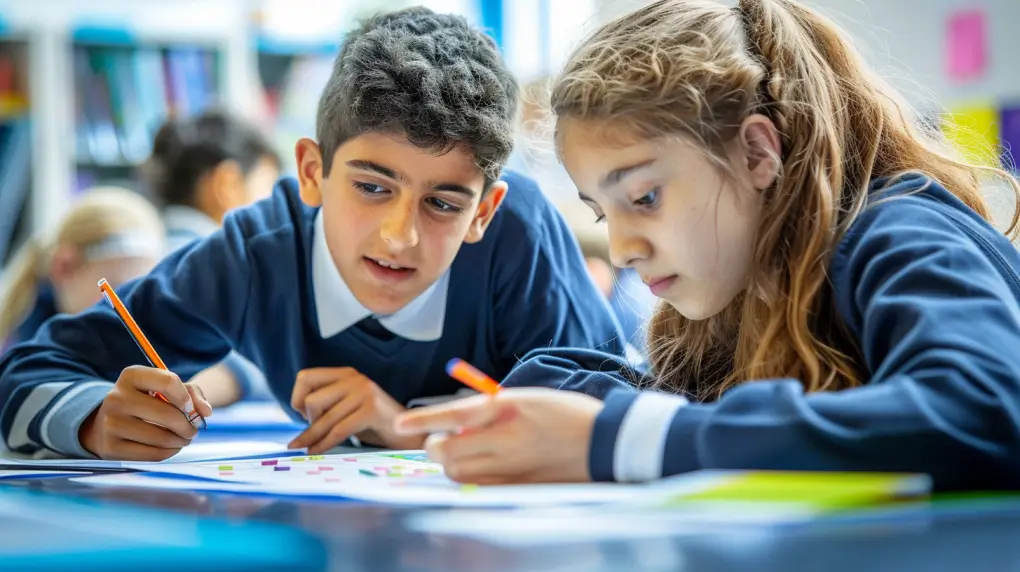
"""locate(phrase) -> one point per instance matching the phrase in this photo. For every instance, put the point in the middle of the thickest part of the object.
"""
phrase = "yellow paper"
(974, 130)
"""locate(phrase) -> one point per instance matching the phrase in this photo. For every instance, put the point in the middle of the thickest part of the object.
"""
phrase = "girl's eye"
(443, 206)
(369, 188)
(648, 200)
(601, 218)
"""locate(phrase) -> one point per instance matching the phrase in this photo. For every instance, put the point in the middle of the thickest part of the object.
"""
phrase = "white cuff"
(638, 453)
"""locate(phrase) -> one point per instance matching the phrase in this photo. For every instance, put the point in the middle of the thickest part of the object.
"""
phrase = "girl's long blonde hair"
(100, 214)
(697, 69)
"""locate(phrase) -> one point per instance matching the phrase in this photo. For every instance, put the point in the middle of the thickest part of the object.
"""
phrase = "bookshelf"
(124, 92)
(15, 144)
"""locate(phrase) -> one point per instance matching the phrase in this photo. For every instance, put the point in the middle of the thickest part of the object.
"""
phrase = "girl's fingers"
(468, 413)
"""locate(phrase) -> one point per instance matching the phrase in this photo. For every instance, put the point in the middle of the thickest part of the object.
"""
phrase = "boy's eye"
(649, 199)
(441, 205)
(370, 188)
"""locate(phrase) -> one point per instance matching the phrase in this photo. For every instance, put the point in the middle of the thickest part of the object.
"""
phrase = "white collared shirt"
(337, 309)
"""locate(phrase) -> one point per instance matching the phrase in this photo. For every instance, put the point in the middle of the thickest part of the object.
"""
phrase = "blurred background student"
(201, 168)
(110, 233)
(205, 166)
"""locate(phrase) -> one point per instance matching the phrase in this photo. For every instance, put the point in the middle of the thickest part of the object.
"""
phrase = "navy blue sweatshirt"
(931, 295)
(249, 287)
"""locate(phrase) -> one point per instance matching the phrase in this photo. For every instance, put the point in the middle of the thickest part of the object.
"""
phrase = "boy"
(350, 298)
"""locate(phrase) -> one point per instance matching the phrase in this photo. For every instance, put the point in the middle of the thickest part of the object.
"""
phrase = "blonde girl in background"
(110, 233)
(833, 295)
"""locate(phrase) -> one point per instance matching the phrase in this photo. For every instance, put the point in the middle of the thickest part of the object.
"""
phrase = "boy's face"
(395, 215)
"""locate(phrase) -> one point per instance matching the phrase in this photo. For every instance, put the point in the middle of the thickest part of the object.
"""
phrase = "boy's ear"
(762, 149)
(309, 166)
(63, 264)
(486, 210)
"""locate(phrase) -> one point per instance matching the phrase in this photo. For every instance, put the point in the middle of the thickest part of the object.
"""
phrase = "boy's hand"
(519, 435)
(339, 402)
(132, 425)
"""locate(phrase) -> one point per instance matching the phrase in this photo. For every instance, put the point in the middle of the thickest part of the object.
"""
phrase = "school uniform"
(265, 286)
(930, 293)
(185, 225)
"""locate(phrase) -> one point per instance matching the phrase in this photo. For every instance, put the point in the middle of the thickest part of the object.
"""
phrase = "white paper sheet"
(37, 474)
(251, 415)
(198, 451)
(399, 477)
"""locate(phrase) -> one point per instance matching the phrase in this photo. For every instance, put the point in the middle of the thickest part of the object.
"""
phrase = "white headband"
(125, 245)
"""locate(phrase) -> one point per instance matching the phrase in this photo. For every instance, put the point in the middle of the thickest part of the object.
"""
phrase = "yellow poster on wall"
(974, 130)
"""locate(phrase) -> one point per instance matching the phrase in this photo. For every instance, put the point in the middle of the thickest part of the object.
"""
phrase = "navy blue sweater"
(931, 295)
(248, 287)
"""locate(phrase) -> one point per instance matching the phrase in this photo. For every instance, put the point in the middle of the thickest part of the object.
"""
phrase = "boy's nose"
(399, 230)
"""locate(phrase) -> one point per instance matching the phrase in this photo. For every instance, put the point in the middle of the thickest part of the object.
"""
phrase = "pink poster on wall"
(966, 44)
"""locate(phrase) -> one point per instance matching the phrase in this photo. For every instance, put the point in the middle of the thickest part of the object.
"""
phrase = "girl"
(201, 168)
(112, 233)
(205, 166)
(803, 232)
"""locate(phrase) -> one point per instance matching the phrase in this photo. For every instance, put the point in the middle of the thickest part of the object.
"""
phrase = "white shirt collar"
(191, 220)
(337, 309)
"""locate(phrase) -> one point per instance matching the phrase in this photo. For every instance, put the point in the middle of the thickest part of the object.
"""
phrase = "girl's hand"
(522, 435)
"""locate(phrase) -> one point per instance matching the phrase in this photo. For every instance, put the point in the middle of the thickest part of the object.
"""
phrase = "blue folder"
(45, 531)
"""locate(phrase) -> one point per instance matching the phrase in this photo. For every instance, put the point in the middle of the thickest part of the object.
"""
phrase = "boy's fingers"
(138, 431)
(148, 379)
(322, 426)
(320, 402)
(341, 431)
(201, 403)
(153, 410)
(470, 412)
(309, 380)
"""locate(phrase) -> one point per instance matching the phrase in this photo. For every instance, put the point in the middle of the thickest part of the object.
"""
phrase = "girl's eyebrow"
(616, 176)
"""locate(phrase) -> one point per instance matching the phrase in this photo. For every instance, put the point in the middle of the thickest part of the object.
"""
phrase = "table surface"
(973, 535)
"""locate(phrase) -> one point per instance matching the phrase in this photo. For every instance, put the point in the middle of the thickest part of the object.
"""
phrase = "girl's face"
(75, 282)
(686, 229)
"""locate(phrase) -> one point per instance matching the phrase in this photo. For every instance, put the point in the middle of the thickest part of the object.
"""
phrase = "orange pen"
(143, 344)
(471, 376)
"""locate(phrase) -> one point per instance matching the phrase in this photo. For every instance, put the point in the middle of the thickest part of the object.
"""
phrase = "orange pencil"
(143, 343)
(470, 376)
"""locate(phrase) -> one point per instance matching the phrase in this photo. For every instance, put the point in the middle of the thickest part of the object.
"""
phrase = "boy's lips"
(387, 271)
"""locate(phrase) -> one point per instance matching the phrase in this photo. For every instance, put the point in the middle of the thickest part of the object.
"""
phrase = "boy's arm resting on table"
(939, 329)
(191, 308)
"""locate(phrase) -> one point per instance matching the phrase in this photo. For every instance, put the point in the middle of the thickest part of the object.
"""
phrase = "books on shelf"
(125, 93)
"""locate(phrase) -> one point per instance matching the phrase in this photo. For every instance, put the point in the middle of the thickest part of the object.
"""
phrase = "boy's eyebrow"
(453, 187)
(616, 175)
(366, 165)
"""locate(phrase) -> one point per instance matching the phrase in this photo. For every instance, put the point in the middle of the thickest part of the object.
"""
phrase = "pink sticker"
(327, 468)
(332, 479)
(966, 44)
(350, 460)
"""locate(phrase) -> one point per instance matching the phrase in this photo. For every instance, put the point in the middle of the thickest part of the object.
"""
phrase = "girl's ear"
(762, 149)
